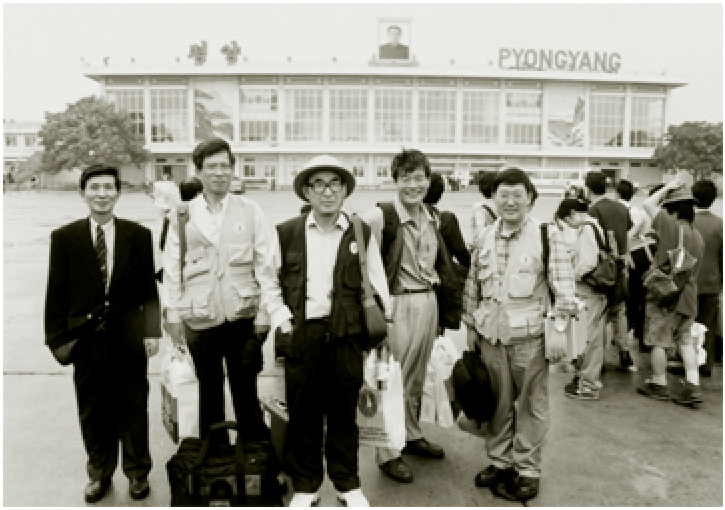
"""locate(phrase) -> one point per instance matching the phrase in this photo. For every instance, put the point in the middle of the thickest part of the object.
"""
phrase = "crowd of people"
(228, 278)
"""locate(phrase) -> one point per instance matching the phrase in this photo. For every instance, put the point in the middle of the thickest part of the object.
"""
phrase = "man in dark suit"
(102, 308)
(393, 50)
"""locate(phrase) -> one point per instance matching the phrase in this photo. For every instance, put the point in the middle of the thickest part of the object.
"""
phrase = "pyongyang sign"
(559, 60)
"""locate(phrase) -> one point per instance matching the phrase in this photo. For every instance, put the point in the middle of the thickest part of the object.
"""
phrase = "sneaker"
(688, 394)
(353, 498)
(655, 391)
(305, 499)
(581, 392)
(573, 385)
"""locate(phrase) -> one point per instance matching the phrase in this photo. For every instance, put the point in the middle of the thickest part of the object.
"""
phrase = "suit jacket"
(399, 52)
(75, 287)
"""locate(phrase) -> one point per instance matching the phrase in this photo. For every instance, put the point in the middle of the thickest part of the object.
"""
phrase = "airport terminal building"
(555, 113)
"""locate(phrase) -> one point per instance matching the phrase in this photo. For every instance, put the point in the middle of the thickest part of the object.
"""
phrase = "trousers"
(411, 338)
(323, 381)
(520, 377)
(592, 360)
(233, 342)
(708, 306)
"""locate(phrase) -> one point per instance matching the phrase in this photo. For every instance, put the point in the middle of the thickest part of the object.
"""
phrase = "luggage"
(276, 418)
(203, 474)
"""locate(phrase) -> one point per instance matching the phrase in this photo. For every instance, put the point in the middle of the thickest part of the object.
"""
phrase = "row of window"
(393, 117)
(12, 140)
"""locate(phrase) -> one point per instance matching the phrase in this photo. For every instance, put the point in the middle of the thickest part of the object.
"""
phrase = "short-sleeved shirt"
(613, 216)
(668, 230)
(710, 228)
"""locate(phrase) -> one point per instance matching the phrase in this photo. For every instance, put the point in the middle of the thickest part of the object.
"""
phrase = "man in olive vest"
(506, 296)
(222, 290)
(321, 281)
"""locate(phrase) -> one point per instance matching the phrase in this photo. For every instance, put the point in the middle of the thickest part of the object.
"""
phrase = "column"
(190, 106)
(326, 114)
(544, 114)
(627, 118)
(415, 113)
(502, 117)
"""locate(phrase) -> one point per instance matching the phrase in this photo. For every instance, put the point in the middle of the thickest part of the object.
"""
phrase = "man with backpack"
(515, 268)
(671, 302)
(425, 290)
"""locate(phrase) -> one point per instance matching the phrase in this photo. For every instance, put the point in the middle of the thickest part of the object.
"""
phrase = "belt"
(412, 291)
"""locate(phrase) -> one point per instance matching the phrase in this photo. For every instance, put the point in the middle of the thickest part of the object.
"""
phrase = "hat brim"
(304, 175)
(679, 199)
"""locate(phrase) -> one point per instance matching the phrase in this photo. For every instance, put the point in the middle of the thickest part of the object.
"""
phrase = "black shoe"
(138, 488)
(96, 489)
(493, 475)
(688, 394)
(625, 361)
(521, 488)
(424, 448)
(572, 386)
(705, 372)
(397, 470)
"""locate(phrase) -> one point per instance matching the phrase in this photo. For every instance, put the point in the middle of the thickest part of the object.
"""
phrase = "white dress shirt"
(109, 232)
(209, 220)
(166, 195)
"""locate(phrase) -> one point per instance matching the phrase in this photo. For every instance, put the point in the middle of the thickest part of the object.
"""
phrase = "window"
(382, 167)
(606, 123)
(480, 117)
(436, 116)
(31, 140)
(648, 119)
(393, 115)
(523, 118)
(130, 101)
(348, 115)
(249, 167)
(11, 141)
(258, 114)
(303, 115)
(169, 116)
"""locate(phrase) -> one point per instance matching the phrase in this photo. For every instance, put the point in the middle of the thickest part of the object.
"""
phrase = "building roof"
(339, 69)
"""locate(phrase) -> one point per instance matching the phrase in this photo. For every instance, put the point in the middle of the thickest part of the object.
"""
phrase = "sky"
(43, 44)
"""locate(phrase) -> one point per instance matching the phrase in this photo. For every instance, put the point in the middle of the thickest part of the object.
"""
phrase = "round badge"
(367, 403)
(239, 228)
(353, 247)
(526, 259)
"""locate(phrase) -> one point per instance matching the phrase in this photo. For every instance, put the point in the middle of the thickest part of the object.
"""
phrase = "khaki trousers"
(520, 377)
(592, 360)
(411, 337)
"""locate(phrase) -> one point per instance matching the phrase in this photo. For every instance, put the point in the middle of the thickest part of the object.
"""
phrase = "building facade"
(21, 141)
(556, 124)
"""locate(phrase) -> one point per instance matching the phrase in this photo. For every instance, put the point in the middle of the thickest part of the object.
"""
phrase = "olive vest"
(513, 304)
(219, 282)
(346, 315)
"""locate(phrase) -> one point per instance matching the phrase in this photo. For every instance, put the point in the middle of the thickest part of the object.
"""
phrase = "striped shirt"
(561, 270)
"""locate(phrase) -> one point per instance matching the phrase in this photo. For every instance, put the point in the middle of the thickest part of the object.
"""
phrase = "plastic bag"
(179, 395)
(381, 404)
(435, 401)
(698, 333)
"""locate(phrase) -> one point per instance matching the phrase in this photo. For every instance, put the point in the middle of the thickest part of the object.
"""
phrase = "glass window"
(303, 115)
(11, 141)
(348, 115)
(565, 115)
(132, 102)
(480, 117)
(169, 116)
(393, 115)
(258, 115)
(648, 119)
(523, 118)
(606, 123)
(30, 140)
(436, 116)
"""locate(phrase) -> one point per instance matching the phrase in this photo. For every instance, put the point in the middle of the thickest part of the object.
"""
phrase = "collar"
(702, 211)
(508, 235)
(596, 198)
(222, 205)
(342, 222)
(403, 212)
(626, 204)
(106, 226)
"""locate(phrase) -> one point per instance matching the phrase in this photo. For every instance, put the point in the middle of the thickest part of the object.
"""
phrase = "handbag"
(179, 395)
(666, 282)
(375, 324)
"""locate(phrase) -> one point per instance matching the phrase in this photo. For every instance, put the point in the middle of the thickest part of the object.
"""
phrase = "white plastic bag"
(381, 404)
(698, 333)
(435, 402)
(179, 395)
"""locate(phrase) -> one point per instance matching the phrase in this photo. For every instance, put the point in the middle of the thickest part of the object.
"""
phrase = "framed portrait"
(394, 38)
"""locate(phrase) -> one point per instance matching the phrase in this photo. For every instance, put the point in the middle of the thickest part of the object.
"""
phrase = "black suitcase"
(245, 474)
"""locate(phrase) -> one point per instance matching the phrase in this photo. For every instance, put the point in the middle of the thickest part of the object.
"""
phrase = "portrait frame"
(388, 52)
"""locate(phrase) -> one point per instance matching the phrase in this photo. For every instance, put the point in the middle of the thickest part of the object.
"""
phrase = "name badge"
(353, 247)
(526, 260)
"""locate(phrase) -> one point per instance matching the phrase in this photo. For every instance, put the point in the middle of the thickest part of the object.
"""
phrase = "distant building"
(21, 141)
(556, 124)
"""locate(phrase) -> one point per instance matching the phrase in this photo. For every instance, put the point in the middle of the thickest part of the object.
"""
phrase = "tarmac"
(624, 450)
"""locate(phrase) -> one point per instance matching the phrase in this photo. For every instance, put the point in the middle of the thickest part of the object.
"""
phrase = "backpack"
(666, 282)
(472, 389)
(490, 211)
(245, 474)
(604, 275)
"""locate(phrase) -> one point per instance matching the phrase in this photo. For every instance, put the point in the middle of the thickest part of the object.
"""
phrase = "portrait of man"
(395, 33)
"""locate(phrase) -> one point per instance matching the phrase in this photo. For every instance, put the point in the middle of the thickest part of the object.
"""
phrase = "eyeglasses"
(319, 186)
(96, 188)
(224, 168)
(412, 180)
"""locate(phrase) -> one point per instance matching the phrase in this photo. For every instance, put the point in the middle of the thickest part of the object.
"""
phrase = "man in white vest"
(221, 295)
(506, 296)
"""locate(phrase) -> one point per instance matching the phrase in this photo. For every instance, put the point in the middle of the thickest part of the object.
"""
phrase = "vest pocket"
(240, 255)
(244, 300)
(521, 285)
(525, 325)
(197, 304)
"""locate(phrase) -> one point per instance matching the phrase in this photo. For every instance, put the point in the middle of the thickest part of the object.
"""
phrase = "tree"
(90, 131)
(692, 146)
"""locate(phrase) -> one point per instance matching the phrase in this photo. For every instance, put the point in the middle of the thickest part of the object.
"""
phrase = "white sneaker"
(353, 498)
(305, 499)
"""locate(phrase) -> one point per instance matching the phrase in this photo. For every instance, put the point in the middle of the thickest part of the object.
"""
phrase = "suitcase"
(246, 474)
(276, 418)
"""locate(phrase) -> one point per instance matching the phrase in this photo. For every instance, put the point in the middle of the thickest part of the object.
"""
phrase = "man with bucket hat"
(322, 332)
(668, 324)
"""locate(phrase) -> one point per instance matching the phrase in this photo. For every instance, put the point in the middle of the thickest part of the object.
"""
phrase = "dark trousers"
(112, 394)
(235, 343)
(708, 306)
(324, 379)
(635, 308)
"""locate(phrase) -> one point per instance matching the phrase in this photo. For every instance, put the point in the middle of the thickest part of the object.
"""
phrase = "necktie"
(101, 252)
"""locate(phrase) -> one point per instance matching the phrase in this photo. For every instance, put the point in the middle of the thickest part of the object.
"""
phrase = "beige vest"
(219, 281)
(513, 304)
